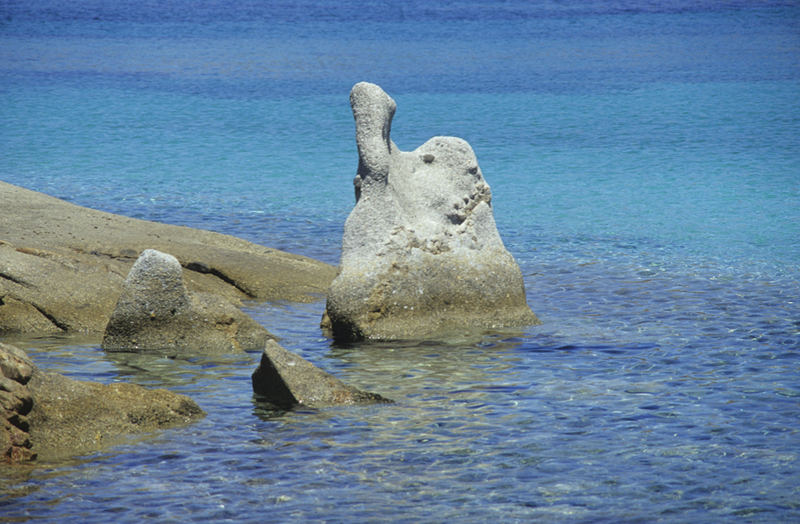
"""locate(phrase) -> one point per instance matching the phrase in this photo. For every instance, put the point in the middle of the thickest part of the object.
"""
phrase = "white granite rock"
(421, 255)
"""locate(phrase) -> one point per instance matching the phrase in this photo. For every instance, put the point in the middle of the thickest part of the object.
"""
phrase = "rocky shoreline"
(62, 266)
(421, 257)
(63, 269)
(49, 416)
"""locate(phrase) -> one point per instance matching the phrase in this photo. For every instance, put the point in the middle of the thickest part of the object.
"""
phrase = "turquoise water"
(645, 167)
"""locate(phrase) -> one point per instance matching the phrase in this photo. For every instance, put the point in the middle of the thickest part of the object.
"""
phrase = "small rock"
(15, 364)
(156, 312)
(285, 379)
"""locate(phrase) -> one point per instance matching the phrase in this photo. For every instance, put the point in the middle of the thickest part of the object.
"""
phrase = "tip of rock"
(366, 88)
(371, 97)
(151, 259)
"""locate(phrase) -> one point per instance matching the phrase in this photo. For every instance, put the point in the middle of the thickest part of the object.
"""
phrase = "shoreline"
(62, 265)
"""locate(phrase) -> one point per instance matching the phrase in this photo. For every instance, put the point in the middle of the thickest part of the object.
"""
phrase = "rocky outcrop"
(16, 403)
(421, 255)
(62, 266)
(156, 312)
(285, 380)
(53, 416)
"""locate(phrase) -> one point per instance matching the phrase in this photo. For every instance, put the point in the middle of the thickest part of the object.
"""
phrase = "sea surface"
(644, 159)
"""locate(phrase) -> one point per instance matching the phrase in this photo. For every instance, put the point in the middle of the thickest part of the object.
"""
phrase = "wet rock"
(421, 255)
(71, 417)
(285, 379)
(62, 266)
(156, 312)
(15, 364)
(51, 416)
(16, 402)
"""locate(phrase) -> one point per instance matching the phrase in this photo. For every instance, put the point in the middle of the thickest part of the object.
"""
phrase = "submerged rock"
(285, 379)
(156, 312)
(51, 416)
(421, 254)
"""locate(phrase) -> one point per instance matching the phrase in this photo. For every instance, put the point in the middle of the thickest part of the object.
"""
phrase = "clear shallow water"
(645, 170)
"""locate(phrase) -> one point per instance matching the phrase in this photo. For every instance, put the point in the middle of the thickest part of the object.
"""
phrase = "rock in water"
(155, 312)
(53, 416)
(421, 255)
(16, 402)
(287, 380)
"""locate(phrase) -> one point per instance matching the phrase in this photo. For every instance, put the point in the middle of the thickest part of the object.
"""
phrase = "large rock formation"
(156, 312)
(52, 416)
(285, 380)
(421, 255)
(62, 265)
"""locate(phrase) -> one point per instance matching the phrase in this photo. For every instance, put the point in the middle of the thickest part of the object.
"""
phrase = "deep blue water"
(645, 165)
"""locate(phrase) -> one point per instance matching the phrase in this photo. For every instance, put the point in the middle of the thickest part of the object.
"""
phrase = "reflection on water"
(82, 358)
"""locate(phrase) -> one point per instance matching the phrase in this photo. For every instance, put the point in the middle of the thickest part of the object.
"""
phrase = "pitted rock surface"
(421, 254)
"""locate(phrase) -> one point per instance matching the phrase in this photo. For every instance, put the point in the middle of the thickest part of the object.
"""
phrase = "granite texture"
(421, 254)
(157, 313)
